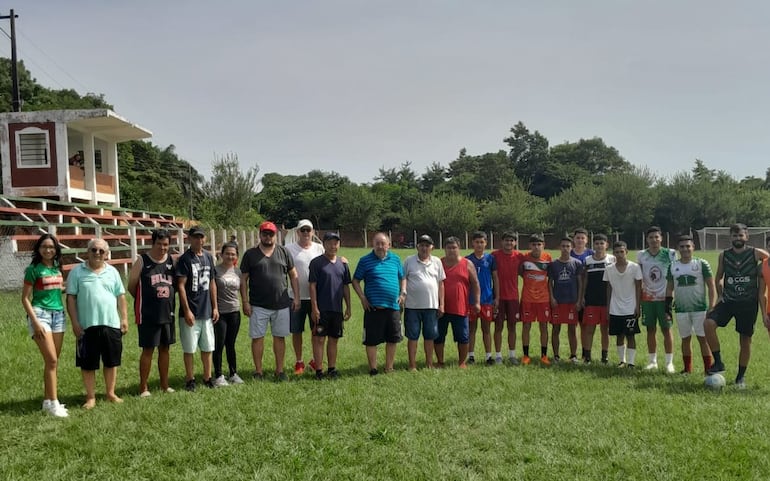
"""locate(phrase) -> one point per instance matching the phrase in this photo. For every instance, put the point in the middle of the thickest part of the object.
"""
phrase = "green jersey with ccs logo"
(689, 280)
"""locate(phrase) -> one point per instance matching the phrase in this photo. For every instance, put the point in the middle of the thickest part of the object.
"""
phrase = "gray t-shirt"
(228, 286)
(268, 277)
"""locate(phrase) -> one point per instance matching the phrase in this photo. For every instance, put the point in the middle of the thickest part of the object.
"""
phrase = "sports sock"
(717, 357)
(631, 356)
(586, 354)
(489, 355)
(653, 358)
(622, 352)
(543, 351)
(687, 363)
(605, 354)
(511, 352)
(498, 355)
(669, 358)
(741, 372)
(471, 354)
(526, 350)
(706, 362)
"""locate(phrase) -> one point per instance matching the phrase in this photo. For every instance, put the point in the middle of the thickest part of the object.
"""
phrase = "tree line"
(528, 185)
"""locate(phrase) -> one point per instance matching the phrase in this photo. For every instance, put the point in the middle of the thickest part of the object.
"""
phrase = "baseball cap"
(425, 238)
(330, 236)
(304, 223)
(267, 225)
(196, 231)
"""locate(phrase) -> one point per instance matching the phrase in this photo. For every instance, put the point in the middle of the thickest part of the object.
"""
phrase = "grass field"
(508, 423)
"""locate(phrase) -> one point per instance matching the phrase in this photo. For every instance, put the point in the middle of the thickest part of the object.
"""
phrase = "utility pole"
(16, 100)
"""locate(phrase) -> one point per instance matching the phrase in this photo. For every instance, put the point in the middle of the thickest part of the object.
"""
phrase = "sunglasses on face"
(101, 252)
(267, 233)
(305, 229)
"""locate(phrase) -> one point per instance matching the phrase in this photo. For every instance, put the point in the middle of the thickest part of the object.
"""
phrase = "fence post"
(180, 240)
(133, 242)
(213, 240)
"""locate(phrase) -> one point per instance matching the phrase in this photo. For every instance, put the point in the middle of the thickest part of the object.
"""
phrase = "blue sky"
(352, 86)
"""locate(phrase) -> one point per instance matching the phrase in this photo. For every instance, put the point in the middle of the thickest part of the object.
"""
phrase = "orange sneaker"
(525, 360)
(545, 361)
(299, 368)
(313, 366)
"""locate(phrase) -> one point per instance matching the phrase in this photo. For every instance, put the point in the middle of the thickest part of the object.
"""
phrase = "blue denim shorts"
(52, 321)
(427, 319)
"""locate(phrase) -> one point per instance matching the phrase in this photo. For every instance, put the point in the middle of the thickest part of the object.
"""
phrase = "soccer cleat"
(716, 368)
(189, 386)
(684, 372)
(235, 379)
(574, 360)
(525, 360)
(319, 375)
(489, 362)
(333, 374)
(299, 368)
(605, 361)
(621, 365)
(670, 369)
(586, 361)
(740, 383)
(630, 366)
(169, 390)
(145, 394)
(281, 376)
(373, 372)
(220, 381)
(514, 361)
(556, 359)
(209, 383)
(257, 376)
(498, 360)
(471, 360)
(651, 366)
(313, 366)
(545, 361)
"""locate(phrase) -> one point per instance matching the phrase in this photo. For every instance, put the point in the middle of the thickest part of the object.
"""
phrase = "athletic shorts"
(654, 313)
(427, 319)
(745, 314)
(535, 311)
(460, 331)
(99, 343)
(329, 324)
(382, 325)
(51, 321)
(487, 313)
(154, 335)
(297, 320)
(595, 316)
(200, 334)
(689, 323)
(261, 317)
(508, 311)
(624, 325)
(564, 314)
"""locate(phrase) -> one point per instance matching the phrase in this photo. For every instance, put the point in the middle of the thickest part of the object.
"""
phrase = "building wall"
(46, 176)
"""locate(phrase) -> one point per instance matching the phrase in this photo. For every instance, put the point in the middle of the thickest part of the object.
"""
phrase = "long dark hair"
(37, 258)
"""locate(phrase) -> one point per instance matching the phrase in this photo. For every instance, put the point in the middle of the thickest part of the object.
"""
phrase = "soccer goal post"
(718, 238)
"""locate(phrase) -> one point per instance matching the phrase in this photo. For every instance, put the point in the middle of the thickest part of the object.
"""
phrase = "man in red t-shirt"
(508, 260)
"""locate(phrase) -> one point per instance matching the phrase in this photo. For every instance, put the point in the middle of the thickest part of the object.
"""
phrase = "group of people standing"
(307, 283)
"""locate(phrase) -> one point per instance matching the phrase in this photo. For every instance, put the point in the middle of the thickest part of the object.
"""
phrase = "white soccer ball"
(715, 381)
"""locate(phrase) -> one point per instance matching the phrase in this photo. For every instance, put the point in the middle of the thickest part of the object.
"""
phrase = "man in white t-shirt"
(424, 302)
(303, 251)
(624, 291)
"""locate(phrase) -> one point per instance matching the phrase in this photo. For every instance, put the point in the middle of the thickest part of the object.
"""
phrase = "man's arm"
(360, 293)
(440, 298)
(72, 311)
(123, 312)
(581, 290)
(315, 313)
(133, 276)
(346, 298)
(637, 311)
(475, 287)
(189, 317)
(245, 305)
(719, 275)
(294, 280)
(213, 297)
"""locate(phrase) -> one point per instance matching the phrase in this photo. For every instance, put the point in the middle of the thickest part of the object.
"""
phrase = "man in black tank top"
(738, 289)
(151, 282)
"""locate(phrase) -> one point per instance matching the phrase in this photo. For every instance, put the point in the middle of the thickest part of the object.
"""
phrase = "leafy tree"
(360, 208)
(515, 209)
(479, 177)
(230, 193)
(631, 201)
(582, 205)
(433, 178)
(447, 213)
(528, 156)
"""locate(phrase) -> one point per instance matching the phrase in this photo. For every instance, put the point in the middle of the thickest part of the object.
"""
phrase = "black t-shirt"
(199, 271)
(268, 281)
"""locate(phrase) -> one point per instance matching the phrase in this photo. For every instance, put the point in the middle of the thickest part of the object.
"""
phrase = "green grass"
(561, 423)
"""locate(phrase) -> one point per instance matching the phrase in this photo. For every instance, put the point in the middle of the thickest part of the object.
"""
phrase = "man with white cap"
(302, 252)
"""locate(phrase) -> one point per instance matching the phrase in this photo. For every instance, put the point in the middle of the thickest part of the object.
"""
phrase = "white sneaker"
(169, 390)
(235, 379)
(145, 394)
(55, 409)
(670, 368)
(651, 366)
(221, 381)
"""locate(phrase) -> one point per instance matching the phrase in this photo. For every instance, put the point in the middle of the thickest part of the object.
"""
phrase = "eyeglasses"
(305, 229)
(101, 252)
(267, 233)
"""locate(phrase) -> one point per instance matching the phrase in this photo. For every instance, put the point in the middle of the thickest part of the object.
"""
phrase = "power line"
(53, 61)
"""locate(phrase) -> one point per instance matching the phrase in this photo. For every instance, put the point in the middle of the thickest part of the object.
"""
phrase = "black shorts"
(297, 320)
(154, 335)
(329, 324)
(382, 325)
(745, 314)
(624, 325)
(99, 342)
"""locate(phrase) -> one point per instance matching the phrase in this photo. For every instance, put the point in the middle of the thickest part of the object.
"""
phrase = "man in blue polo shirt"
(382, 297)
